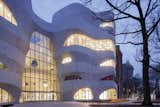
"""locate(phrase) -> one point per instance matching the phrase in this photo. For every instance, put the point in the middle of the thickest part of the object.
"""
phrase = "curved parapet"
(13, 47)
(78, 16)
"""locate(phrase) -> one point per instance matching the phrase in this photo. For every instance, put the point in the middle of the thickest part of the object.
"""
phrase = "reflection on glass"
(108, 94)
(6, 13)
(83, 94)
(40, 80)
(85, 41)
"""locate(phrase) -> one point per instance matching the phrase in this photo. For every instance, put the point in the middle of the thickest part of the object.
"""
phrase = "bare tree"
(145, 29)
(146, 32)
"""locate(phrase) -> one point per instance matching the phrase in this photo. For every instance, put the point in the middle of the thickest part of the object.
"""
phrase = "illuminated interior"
(5, 97)
(6, 13)
(108, 63)
(3, 66)
(83, 94)
(108, 94)
(40, 80)
(110, 77)
(93, 44)
(106, 24)
(73, 77)
(66, 59)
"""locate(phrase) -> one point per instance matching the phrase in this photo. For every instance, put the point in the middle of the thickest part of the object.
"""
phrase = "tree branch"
(151, 10)
(150, 31)
(130, 43)
(155, 69)
(125, 33)
(155, 61)
(119, 18)
(127, 14)
(148, 8)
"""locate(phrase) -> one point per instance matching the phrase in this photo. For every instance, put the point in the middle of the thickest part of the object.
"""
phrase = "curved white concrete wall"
(85, 62)
(12, 54)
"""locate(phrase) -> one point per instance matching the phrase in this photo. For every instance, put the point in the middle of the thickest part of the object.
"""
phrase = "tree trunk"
(146, 61)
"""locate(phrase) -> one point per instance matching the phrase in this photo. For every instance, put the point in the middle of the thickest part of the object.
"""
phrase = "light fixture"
(45, 84)
(0, 5)
(67, 59)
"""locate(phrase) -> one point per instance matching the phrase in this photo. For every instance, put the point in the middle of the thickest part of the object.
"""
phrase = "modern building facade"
(72, 58)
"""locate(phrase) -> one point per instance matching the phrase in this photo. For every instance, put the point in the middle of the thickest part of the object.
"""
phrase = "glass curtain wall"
(40, 82)
(108, 94)
(88, 42)
(83, 94)
(6, 13)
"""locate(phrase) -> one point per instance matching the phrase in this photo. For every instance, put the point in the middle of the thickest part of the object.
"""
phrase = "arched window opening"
(73, 77)
(5, 97)
(83, 94)
(6, 13)
(108, 94)
(3, 66)
(106, 24)
(93, 44)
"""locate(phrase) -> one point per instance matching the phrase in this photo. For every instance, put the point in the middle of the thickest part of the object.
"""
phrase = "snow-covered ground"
(51, 104)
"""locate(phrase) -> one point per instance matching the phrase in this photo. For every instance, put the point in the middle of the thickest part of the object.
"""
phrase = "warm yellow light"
(83, 94)
(85, 41)
(108, 94)
(40, 71)
(9, 15)
(3, 66)
(5, 97)
(1, 4)
(6, 13)
(67, 59)
(45, 84)
(106, 24)
(107, 63)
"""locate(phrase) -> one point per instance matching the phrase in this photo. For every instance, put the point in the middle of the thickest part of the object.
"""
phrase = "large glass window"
(6, 13)
(3, 66)
(108, 63)
(5, 97)
(108, 94)
(40, 80)
(83, 94)
(66, 59)
(85, 41)
(110, 77)
(107, 24)
(73, 77)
